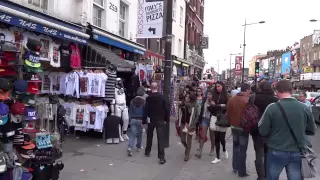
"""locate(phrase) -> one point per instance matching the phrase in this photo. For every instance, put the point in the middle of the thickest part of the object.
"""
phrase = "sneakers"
(162, 161)
(129, 152)
(121, 139)
(215, 161)
(139, 149)
(211, 152)
(125, 137)
(147, 154)
(198, 153)
(226, 155)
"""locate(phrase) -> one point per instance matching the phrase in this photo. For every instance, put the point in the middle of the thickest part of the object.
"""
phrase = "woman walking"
(218, 111)
(200, 101)
(204, 122)
(187, 122)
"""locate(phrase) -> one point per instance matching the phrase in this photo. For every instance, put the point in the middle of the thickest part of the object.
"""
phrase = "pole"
(167, 66)
(244, 48)
(218, 66)
(230, 68)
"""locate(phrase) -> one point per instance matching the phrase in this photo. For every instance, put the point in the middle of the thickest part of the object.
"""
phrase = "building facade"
(306, 53)
(252, 64)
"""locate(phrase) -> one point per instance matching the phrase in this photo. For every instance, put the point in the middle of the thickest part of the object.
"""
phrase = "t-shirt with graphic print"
(100, 115)
(70, 113)
(62, 82)
(65, 56)
(6, 35)
(90, 116)
(45, 41)
(104, 79)
(45, 84)
(80, 114)
(72, 84)
(94, 84)
(54, 83)
(54, 55)
(84, 83)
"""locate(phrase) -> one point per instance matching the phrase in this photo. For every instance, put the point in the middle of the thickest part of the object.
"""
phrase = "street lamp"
(313, 20)
(244, 42)
(231, 54)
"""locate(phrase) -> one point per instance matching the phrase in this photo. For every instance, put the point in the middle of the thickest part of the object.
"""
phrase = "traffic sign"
(150, 19)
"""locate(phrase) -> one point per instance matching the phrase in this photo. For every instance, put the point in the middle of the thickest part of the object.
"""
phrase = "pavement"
(89, 158)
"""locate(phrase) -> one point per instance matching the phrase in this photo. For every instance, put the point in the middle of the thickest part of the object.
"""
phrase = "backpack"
(251, 116)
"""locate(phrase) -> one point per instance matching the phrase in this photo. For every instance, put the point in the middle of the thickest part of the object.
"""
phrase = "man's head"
(245, 89)
(154, 87)
(302, 97)
(284, 89)
(140, 91)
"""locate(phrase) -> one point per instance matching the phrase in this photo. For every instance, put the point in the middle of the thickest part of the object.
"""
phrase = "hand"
(212, 102)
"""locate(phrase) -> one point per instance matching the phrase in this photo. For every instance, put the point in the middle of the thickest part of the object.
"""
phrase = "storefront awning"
(106, 56)
(117, 41)
(17, 15)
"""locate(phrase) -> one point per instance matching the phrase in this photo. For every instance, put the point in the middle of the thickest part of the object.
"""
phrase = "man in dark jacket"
(263, 98)
(157, 109)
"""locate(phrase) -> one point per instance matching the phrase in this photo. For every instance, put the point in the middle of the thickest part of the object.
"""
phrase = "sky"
(287, 21)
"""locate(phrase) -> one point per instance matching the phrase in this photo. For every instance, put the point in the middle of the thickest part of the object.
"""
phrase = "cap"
(17, 108)
(33, 87)
(34, 45)
(15, 118)
(30, 113)
(28, 100)
(32, 59)
(4, 112)
(32, 77)
(27, 154)
(4, 95)
(20, 86)
(7, 71)
(5, 84)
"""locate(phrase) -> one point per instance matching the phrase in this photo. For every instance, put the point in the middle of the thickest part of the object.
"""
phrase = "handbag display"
(308, 161)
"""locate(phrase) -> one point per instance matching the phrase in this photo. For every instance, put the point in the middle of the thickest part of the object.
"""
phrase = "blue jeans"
(240, 146)
(277, 160)
(136, 131)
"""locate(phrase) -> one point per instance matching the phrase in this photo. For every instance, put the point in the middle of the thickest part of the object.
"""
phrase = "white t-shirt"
(54, 83)
(8, 35)
(84, 83)
(104, 79)
(72, 84)
(100, 115)
(45, 47)
(62, 82)
(80, 115)
(54, 55)
(46, 82)
(94, 84)
(90, 116)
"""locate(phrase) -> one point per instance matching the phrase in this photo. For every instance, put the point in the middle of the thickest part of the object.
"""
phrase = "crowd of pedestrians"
(278, 124)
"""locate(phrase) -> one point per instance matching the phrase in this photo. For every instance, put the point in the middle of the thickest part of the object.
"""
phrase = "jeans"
(159, 126)
(277, 160)
(136, 131)
(260, 148)
(240, 146)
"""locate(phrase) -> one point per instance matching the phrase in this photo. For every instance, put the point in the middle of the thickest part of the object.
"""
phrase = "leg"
(259, 150)
(149, 138)
(293, 169)
(243, 144)
(203, 137)
(188, 149)
(223, 141)
(125, 118)
(120, 134)
(139, 134)
(236, 149)
(197, 131)
(133, 134)
(183, 136)
(213, 142)
(160, 138)
(217, 143)
(277, 160)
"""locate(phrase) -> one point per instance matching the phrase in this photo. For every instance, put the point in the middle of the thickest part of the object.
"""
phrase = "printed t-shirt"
(100, 115)
(45, 84)
(62, 82)
(94, 84)
(54, 55)
(104, 79)
(84, 83)
(75, 58)
(72, 84)
(80, 113)
(45, 47)
(91, 116)
(54, 83)
(6, 35)
(65, 56)
(70, 113)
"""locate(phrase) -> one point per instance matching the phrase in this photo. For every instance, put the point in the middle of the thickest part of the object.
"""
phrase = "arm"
(311, 126)
(145, 112)
(229, 108)
(130, 111)
(264, 124)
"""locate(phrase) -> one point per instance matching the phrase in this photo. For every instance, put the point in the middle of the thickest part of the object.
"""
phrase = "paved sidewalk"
(91, 159)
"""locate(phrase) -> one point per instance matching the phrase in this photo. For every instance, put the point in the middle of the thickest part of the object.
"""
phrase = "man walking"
(235, 109)
(157, 109)
(283, 151)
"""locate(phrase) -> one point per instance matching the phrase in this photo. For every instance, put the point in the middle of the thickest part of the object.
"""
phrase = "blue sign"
(285, 63)
(20, 22)
(120, 45)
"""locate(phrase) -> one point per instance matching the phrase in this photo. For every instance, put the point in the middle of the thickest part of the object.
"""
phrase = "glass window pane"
(36, 3)
(44, 4)
(100, 2)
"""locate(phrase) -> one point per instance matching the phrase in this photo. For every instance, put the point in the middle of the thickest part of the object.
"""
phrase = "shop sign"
(121, 69)
(306, 76)
(316, 76)
(32, 26)
(307, 69)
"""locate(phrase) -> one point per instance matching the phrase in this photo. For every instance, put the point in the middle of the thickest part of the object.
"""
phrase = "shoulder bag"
(308, 161)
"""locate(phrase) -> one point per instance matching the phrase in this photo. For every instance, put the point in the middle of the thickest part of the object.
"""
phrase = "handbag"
(223, 121)
(308, 161)
(213, 121)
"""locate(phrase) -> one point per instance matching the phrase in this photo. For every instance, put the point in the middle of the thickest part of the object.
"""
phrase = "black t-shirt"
(65, 56)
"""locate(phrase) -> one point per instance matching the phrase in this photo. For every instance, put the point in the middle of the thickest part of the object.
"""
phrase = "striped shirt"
(110, 86)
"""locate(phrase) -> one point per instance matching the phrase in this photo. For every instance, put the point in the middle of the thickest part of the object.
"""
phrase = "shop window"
(174, 9)
(315, 56)
(43, 4)
(97, 16)
(123, 19)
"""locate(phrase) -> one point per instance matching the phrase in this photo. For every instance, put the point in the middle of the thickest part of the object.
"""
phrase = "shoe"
(140, 149)
(121, 139)
(245, 175)
(234, 171)
(211, 152)
(147, 154)
(125, 137)
(198, 154)
(215, 161)
(162, 161)
(226, 155)
(186, 158)
(129, 152)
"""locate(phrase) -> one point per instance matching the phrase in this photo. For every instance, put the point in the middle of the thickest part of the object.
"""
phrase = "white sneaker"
(125, 137)
(140, 149)
(226, 155)
(121, 139)
(215, 161)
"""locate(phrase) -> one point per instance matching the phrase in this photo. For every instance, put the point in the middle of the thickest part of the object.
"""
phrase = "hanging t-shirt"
(104, 79)
(80, 113)
(91, 115)
(6, 35)
(45, 82)
(84, 83)
(18, 36)
(72, 84)
(45, 46)
(75, 58)
(54, 83)
(142, 73)
(149, 69)
(65, 56)
(54, 55)
(94, 84)
(100, 115)
(70, 113)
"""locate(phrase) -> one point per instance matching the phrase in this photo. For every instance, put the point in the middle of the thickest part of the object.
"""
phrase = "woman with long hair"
(218, 109)
(187, 122)
(199, 104)
(204, 123)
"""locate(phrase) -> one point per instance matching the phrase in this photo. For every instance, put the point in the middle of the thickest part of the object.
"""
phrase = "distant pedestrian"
(282, 123)
(157, 109)
(235, 109)
(303, 99)
(234, 91)
(136, 111)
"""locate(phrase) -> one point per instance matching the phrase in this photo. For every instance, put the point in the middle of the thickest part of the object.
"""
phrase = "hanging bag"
(251, 116)
(308, 160)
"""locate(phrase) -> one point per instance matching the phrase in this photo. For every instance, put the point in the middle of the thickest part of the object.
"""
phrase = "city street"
(90, 159)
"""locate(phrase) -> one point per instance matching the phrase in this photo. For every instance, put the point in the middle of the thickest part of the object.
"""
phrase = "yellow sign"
(307, 69)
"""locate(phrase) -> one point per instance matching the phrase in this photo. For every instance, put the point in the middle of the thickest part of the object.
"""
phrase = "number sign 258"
(113, 7)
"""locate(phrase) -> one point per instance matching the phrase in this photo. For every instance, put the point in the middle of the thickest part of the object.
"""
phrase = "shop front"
(182, 66)
(198, 66)
(37, 52)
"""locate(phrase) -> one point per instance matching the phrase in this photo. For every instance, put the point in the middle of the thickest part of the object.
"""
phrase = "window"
(174, 9)
(315, 56)
(173, 43)
(122, 19)
(180, 47)
(181, 15)
(158, 45)
(97, 16)
(39, 3)
(98, 2)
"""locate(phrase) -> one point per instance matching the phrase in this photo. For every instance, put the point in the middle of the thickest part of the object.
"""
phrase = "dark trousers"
(219, 137)
(240, 146)
(159, 125)
(259, 144)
